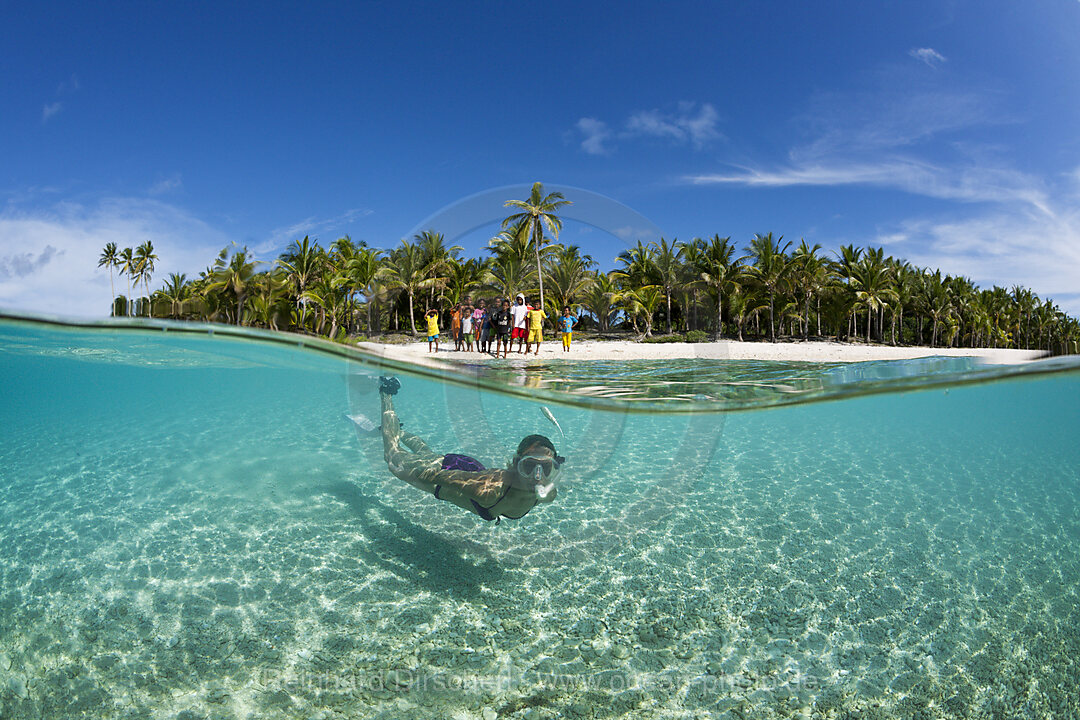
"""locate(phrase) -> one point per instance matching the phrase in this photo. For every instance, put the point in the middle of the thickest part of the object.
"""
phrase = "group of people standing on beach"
(498, 326)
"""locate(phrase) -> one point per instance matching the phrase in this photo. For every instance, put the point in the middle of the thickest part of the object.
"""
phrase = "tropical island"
(667, 291)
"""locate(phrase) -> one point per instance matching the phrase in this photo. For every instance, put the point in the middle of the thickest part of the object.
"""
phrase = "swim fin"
(362, 422)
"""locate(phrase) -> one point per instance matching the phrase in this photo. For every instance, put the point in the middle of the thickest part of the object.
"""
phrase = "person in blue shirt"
(566, 327)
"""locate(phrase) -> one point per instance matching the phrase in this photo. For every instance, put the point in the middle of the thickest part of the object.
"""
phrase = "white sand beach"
(814, 351)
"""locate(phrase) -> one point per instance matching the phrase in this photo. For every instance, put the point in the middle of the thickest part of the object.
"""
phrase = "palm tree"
(128, 267)
(462, 278)
(110, 258)
(508, 275)
(811, 277)
(539, 210)
(845, 265)
(363, 270)
(770, 268)
(234, 277)
(437, 258)
(568, 275)
(601, 298)
(666, 269)
(406, 271)
(643, 302)
(144, 258)
(719, 270)
(303, 262)
(177, 292)
(745, 304)
(873, 286)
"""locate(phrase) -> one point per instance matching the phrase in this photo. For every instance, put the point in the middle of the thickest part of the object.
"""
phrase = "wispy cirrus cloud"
(971, 184)
(65, 88)
(929, 56)
(915, 132)
(688, 124)
(167, 185)
(311, 226)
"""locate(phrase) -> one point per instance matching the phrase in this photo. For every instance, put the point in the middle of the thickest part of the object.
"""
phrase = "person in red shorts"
(520, 313)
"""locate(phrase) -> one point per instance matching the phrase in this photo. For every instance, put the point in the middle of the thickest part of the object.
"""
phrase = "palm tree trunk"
(412, 315)
(772, 327)
(668, 293)
(536, 246)
(719, 314)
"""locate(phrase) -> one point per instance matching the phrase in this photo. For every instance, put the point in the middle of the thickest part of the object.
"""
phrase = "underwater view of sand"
(211, 539)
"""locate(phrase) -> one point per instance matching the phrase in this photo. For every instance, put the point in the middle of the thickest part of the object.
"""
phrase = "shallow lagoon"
(190, 529)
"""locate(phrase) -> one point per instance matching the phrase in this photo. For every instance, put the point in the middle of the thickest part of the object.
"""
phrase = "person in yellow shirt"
(536, 318)
(432, 317)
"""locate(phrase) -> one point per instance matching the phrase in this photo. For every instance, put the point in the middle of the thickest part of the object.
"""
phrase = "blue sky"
(944, 131)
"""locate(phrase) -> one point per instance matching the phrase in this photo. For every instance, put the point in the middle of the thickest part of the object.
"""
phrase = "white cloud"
(930, 56)
(595, 133)
(682, 126)
(50, 110)
(167, 185)
(48, 258)
(689, 124)
(1001, 247)
(970, 184)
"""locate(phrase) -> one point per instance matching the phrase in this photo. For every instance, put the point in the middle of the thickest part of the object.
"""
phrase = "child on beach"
(501, 323)
(566, 325)
(520, 313)
(466, 327)
(455, 326)
(478, 322)
(432, 317)
(536, 318)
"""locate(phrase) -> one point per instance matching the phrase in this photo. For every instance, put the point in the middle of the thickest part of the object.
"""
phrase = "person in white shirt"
(520, 313)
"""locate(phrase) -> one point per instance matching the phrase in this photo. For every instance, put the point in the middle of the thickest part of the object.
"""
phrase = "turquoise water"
(189, 528)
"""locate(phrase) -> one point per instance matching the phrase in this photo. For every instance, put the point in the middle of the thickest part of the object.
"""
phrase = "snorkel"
(542, 490)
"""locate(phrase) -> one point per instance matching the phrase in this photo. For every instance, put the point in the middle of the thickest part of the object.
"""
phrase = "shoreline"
(799, 351)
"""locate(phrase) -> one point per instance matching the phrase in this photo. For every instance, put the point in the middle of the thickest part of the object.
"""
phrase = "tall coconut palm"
(509, 275)
(437, 258)
(302, 261)
(128, 267)
(406, 271)
(540, 211)
(643, 302)
(363, 270)
(666, 270)
(873, 286)
(719, 269)
(462, 278)
(601, 298)
(110, 258)
(811, 277)
(770, 267)
(568, 275)
(235, 277)
(145, 258)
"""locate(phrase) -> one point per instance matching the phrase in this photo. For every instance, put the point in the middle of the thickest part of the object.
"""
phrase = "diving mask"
(542, 470)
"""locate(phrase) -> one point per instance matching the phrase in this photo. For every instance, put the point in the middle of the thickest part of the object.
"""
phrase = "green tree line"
(765, 289)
